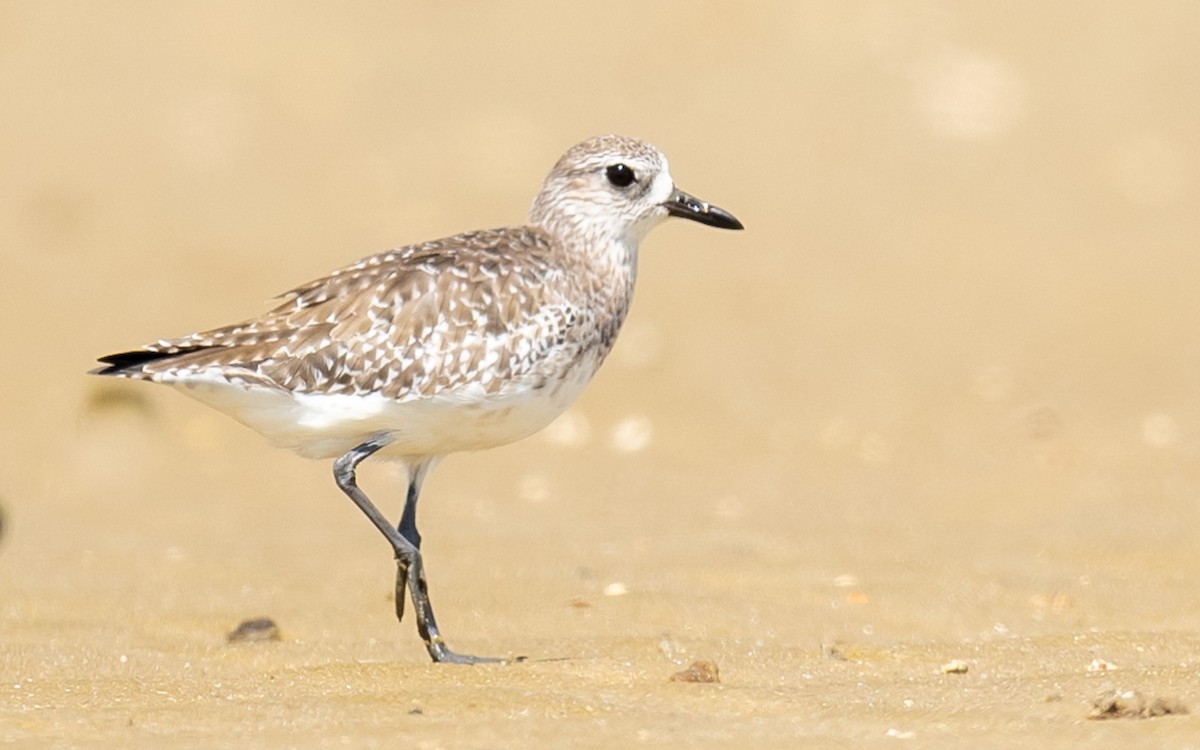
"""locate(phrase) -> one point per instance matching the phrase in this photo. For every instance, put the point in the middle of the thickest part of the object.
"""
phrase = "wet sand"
(937, 404)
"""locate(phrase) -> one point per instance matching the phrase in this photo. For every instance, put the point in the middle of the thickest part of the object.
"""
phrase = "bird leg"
(408, 556)
(408, 529)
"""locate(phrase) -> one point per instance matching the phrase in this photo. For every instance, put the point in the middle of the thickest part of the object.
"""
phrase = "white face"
(609, 188)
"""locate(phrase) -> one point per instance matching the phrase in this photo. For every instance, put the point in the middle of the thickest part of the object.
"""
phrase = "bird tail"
(130, 364)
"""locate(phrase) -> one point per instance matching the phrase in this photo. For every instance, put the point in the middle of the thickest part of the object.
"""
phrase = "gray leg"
(407, 554)
(408, 529)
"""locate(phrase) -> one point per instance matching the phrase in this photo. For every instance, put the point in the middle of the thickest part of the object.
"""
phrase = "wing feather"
(411, 322)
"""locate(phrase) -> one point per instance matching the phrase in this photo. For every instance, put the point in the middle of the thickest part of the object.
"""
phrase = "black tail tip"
(117, 364)
(127, 363)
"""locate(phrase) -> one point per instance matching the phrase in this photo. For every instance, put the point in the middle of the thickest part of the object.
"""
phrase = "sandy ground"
(937, 403)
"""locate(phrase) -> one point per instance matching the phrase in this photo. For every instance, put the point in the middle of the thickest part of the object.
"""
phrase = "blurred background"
(944, 385)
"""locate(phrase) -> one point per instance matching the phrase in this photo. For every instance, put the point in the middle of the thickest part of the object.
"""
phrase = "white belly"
(326, 426)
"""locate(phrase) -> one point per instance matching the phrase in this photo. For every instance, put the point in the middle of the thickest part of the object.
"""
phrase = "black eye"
(620, 175)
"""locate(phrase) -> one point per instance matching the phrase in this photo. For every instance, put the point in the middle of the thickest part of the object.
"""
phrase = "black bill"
(685, 206)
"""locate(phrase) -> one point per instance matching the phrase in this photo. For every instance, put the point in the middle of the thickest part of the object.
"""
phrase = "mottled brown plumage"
(490, 308)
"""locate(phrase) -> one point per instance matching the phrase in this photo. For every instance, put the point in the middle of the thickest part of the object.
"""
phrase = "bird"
(457, 344)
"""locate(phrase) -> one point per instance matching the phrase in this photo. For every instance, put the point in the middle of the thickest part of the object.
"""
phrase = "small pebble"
(257, 629)
(955, 666)
(700, 671)
(1130, 704)
(1100, 665)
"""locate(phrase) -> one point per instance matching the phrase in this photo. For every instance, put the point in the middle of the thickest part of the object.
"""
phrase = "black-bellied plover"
(458, 344)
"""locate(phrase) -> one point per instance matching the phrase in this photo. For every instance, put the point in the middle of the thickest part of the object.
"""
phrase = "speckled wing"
(472, 314)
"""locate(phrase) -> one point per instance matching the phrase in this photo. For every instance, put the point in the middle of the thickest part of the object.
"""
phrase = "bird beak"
(683, 205)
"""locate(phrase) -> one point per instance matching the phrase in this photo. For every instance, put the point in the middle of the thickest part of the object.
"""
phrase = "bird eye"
(620, 175)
